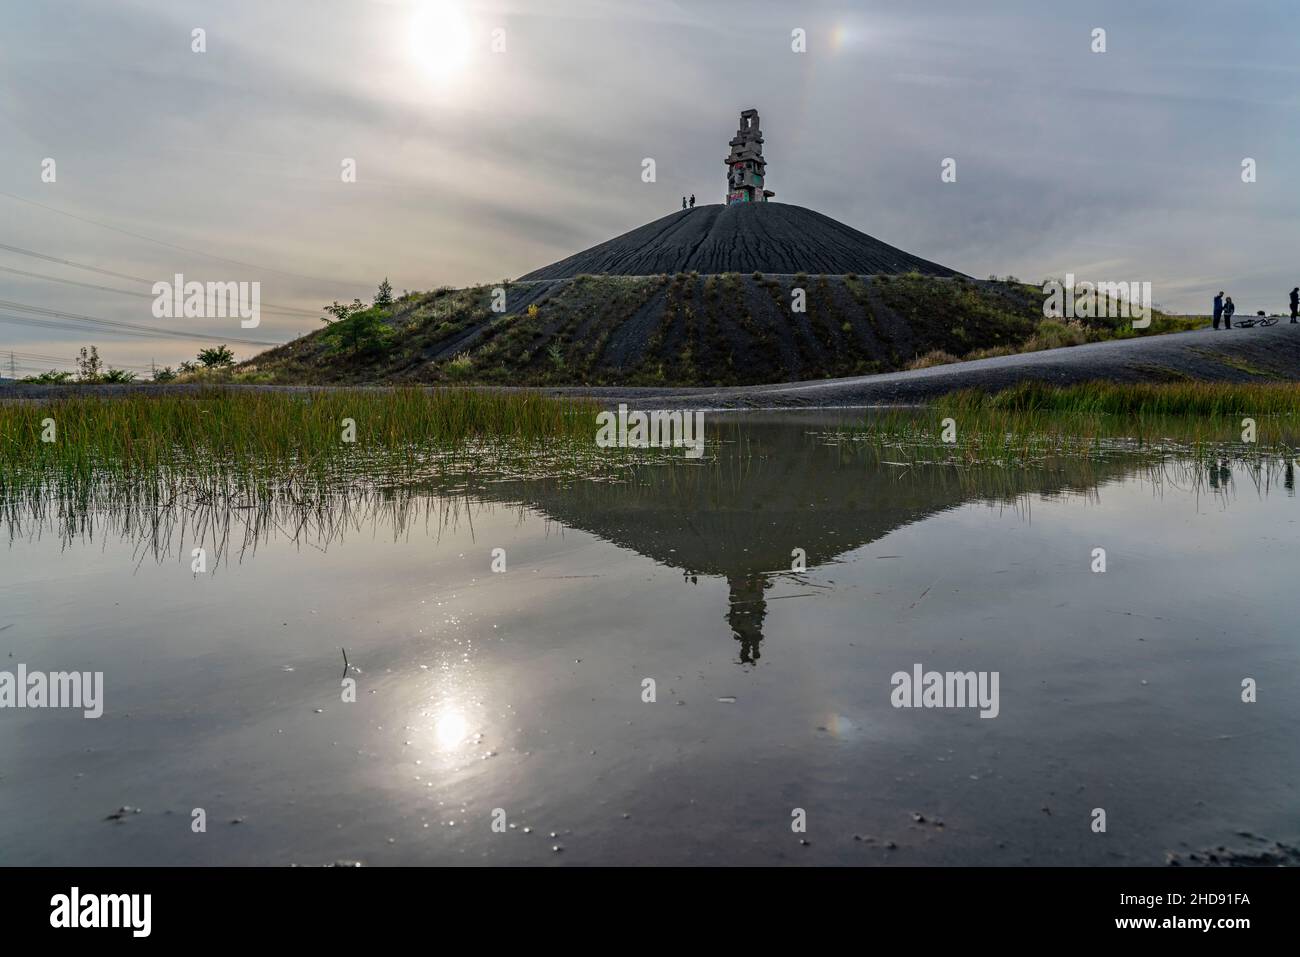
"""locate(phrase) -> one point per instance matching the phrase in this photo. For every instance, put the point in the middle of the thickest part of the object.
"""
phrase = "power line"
(39, 357)
(53, 324)
(269, 306)
(26, 368)
(73, 282)
(24, 371)
(56, 325)
(108, 327)
(30, 357)
(38, 362)
(69, 262)
(186, 249)
(156, 330)
(127, 328)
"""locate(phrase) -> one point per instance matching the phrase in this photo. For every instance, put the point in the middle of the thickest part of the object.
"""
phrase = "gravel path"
(1239, 355)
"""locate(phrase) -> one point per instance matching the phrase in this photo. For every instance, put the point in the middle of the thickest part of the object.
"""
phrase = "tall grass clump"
(1032, 423)
(1137, 399)
(243, 442)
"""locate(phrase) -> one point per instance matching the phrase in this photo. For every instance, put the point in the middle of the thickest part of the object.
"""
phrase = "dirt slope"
(681, 330)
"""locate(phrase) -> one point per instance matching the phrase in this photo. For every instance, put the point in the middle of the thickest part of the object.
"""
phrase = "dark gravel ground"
(1239, 355)
(746, 238)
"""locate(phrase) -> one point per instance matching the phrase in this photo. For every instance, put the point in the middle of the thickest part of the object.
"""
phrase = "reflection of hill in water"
(775, 488)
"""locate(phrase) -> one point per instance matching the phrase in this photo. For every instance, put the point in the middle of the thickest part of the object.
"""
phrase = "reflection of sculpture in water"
(746, 609)
(777, 485)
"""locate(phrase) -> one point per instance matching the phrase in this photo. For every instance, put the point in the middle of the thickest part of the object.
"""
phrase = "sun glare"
(450, 729)
(442, 38)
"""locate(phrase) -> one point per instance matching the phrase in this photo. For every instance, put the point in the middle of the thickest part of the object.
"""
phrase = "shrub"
(1054, 334)
(361, 331)
(341, 312)
(460, 367)
(989, 353)
(48, 377)
(89, 365)
(217, 357)
(935, 357)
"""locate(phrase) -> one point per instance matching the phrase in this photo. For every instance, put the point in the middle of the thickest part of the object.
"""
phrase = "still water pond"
(524, 690)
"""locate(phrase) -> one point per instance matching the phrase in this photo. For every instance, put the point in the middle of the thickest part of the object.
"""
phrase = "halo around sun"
(441, 38)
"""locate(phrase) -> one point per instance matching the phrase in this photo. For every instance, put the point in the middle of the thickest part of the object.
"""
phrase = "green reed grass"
(220, 437)
(1136, 399)
(1034, 423)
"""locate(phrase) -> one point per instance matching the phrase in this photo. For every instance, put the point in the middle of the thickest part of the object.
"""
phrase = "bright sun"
(442, 38)
(450, 729)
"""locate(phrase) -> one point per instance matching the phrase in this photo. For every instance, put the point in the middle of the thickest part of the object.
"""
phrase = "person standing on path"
(692, 200)
(1218, 308)
(1295, 303)
(683, 202)
(1228, 310)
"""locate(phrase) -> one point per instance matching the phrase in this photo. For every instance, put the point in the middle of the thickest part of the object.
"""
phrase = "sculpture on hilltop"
(745, 166)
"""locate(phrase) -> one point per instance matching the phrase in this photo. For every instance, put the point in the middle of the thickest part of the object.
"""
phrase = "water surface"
(523, 690)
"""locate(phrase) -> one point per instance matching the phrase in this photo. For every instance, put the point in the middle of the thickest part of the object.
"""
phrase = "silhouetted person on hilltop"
(683, 202)
(1228, 310)
(1218, 308)
(692, 200)
(1295, 303)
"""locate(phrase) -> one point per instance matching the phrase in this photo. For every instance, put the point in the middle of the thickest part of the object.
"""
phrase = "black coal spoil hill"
(772, 238)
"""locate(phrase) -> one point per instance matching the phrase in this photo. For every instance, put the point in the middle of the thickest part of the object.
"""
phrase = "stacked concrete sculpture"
(745, 166)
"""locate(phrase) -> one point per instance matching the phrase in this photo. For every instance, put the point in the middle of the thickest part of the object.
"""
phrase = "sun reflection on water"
(450, 729)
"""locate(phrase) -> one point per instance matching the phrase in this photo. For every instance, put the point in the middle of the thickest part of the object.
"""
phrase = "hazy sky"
(474, 165)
